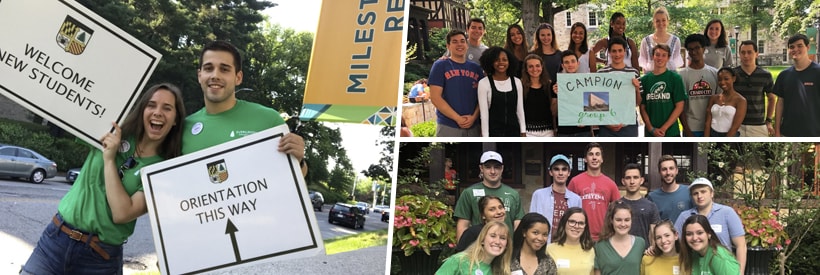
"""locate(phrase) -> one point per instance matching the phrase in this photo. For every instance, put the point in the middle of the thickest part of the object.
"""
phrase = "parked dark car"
(72, 175)
(347, 214)
(317, 200)
(386, 215)
(19, 162)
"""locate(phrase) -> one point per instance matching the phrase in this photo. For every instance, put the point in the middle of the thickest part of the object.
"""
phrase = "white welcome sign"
(72, 67)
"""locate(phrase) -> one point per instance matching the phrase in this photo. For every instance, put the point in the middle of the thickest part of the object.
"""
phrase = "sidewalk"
(369, 260)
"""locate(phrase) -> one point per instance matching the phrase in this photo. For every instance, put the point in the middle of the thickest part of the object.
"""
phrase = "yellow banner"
(355, 68)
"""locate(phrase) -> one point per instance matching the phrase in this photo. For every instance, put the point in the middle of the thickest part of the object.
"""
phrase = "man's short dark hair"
(798, 36)
(696, 37)
(749, 42)
(667, 158)
(477, 20)
(568, 53)
(594, 145)
(224, 46)
(454, 33)
(635, 166)
(616, 40)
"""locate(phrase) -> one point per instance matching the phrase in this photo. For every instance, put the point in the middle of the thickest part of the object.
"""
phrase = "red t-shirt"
(559, 209)
(596, 194)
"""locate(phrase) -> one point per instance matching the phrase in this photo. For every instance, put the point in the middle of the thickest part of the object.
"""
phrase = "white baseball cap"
(491, 155)
(701, 181)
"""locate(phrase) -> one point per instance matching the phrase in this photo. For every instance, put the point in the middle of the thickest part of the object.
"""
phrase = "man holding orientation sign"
(224, 117)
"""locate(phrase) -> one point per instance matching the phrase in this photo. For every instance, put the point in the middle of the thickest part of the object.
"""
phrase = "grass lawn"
(354, 242)
(775, 70)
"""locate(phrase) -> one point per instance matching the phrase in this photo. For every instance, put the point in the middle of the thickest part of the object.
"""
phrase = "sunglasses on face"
(128, 164)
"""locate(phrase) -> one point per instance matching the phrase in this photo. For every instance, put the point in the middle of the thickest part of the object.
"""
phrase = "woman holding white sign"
(99, 213)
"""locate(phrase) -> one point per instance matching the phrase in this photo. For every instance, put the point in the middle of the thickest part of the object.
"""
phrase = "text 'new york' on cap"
(561, 158)
(491, 155)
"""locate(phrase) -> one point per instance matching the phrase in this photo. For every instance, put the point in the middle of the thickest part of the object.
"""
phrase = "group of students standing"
(583, 225)
(509, 91)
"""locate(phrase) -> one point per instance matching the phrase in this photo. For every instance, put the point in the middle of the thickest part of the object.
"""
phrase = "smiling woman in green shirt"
(99, 212)
(701, 251)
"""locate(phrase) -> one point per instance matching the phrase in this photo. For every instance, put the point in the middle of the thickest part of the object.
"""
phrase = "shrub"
(424, 129)
(421, 223)
(66, 152)
(805, 259)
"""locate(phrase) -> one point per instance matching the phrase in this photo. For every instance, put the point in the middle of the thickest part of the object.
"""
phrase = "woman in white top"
(500, 96)
(661, 21)
(617, 28)
(717, 53)
(727, 109)
(578, 44)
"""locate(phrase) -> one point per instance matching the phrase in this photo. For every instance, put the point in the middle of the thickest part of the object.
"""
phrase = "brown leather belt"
(82, 237)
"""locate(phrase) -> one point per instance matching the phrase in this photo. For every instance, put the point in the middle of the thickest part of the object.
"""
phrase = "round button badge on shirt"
(197, 128)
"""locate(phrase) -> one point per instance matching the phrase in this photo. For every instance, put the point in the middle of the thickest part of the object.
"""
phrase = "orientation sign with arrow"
(198, 202)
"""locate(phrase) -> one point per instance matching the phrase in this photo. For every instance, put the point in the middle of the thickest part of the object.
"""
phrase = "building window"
(569, 19)
(593, 19)
(761, 46)
(785, 55)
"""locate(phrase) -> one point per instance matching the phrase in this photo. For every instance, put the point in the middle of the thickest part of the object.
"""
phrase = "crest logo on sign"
(73, 36)
(218, 171)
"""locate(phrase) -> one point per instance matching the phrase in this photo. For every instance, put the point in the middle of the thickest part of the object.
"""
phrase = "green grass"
(354, 242)
(775, 70)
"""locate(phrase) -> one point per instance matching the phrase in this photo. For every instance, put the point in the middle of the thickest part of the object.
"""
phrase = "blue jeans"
(56, 253)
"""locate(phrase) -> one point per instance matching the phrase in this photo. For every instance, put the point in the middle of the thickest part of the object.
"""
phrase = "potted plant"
(422, 228)
(765, 236)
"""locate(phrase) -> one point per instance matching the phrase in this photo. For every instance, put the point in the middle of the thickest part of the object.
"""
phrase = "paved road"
(26, 208)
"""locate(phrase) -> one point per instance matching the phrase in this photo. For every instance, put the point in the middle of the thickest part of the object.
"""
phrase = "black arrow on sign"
(231, 229)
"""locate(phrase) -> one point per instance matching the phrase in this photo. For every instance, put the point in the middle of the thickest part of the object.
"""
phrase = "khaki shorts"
(753, 130)
(447, 131)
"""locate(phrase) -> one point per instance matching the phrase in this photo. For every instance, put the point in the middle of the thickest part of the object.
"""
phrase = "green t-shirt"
(660, 93)
(203, 130)
(85, 206)
(459, 264)
(467, 205)
(608, 261)
(722, 263)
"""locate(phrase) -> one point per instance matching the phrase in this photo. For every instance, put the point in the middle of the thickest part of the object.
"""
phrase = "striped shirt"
(754, 88)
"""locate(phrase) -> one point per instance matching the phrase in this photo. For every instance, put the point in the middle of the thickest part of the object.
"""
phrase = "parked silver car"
(20, 162)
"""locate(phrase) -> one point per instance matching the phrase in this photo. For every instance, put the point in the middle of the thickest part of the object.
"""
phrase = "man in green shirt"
(467, 211)
(224, 117)
(663, 96)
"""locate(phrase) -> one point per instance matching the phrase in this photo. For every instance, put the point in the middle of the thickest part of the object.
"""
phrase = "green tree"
(383, 169)
(686, 18)
(340, 181)
(791, 17)
(498, 14)
(752, 13)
